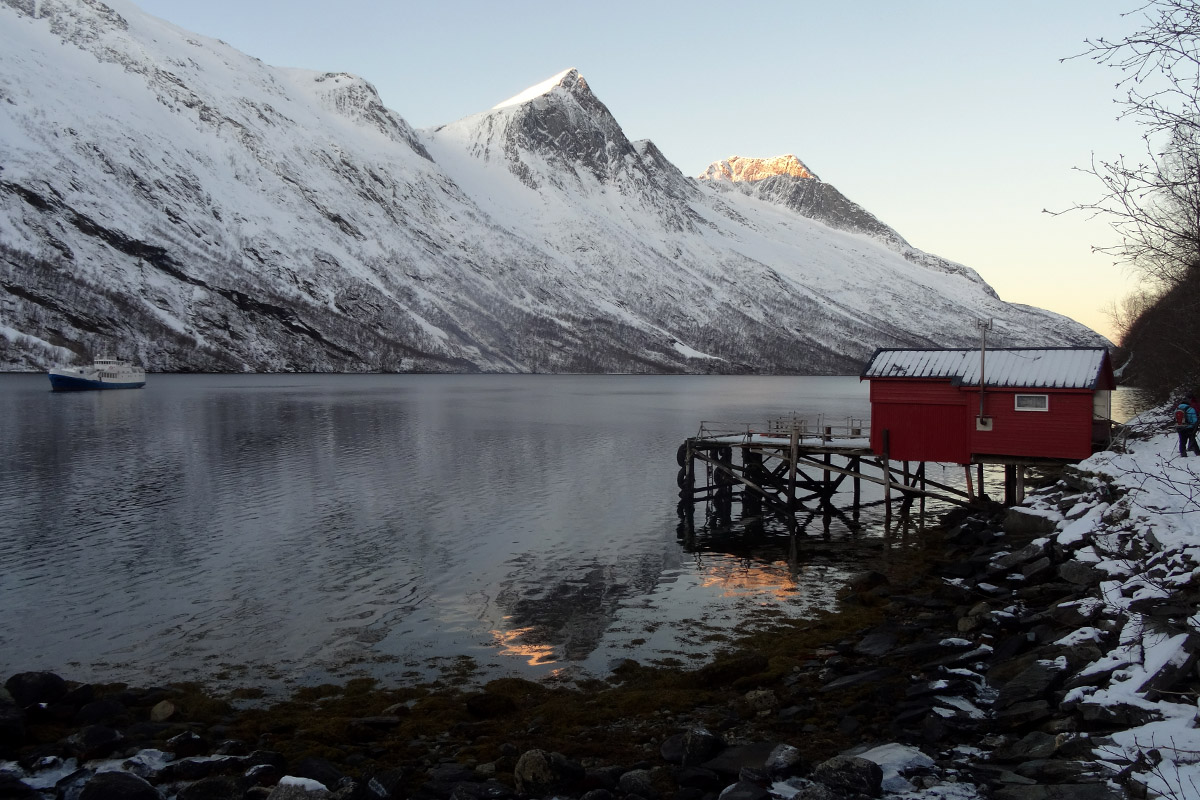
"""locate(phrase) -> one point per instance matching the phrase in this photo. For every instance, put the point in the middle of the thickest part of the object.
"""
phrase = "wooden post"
(1020, 483)
(921, 480)
(887, 472)
(1010, 484)
(825, 478)
(982, 493)
(970, 488)
(856, 467)
(794, 453)
(687, 476)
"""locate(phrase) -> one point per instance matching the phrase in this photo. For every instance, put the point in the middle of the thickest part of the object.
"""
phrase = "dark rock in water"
(755, 775)
(745, 790)
(850, 774)
(118, 786)
(864, 582)
(12, 787)
(784, 761)
(96, 741)
(700, 745)
(29, 688)
(71, 785)
(221, 788)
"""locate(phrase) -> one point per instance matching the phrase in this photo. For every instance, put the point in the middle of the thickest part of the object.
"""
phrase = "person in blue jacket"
(1185, 426)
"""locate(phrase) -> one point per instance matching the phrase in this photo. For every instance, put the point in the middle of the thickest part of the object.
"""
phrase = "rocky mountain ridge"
(170, 199)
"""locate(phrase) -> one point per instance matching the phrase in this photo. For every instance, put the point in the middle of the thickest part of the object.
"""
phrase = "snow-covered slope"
(165, 197)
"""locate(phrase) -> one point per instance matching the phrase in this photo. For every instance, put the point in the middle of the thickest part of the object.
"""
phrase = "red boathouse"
(1007, 405)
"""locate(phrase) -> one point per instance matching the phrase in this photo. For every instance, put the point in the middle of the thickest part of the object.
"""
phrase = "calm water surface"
(294, 529)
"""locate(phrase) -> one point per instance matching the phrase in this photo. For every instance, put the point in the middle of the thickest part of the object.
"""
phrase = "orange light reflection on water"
(511, 645)
(738, 580)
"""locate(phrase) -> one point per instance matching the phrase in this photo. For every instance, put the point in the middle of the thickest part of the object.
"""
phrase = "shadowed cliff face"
(168, 198)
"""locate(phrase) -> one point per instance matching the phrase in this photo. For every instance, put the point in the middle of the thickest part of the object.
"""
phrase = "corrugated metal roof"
(1045, 368)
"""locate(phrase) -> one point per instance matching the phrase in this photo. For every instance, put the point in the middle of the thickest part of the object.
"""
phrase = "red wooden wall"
(926, 420)
(1062, 431)
(931, 420)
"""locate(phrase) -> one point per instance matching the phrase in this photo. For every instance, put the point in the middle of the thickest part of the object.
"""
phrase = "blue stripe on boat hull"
(65, 383)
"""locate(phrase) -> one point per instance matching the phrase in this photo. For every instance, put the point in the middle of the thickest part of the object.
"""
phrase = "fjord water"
(302, 528)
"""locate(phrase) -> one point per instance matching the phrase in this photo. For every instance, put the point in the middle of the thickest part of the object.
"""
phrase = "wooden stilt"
(887, 474)
(793, 457)
(970, 486)
(856, 466)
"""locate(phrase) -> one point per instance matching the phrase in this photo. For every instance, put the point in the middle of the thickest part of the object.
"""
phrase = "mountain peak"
(568, 79)
(736, 169)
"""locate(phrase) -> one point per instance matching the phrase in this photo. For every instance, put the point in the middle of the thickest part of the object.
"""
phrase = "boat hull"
(71, 383)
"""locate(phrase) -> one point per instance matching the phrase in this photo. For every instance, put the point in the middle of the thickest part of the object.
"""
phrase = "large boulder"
(539, 773)
(850, 774)
(30, 688)
(118, 786)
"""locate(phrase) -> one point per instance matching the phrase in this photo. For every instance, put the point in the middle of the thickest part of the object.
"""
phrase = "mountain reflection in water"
(302, 528)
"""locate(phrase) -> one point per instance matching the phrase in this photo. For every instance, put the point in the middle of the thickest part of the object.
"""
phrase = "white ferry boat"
(104, 373)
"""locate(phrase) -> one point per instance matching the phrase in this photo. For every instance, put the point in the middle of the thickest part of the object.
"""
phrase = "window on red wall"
(1032, 402)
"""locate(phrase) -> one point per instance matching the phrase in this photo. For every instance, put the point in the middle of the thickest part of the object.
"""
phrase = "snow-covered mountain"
(166, 197)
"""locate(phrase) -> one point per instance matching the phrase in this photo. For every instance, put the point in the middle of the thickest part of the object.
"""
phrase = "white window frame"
(1017, 402)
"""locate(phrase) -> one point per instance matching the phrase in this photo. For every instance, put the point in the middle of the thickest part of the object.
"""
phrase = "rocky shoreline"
(1044, 651)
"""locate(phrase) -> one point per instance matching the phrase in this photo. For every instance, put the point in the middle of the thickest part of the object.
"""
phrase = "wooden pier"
(793, 464)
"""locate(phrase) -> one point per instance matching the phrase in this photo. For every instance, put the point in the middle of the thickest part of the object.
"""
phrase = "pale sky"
(953, 122)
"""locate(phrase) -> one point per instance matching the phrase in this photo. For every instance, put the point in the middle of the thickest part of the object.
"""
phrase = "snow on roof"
(535, 91)
(1045, 368)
